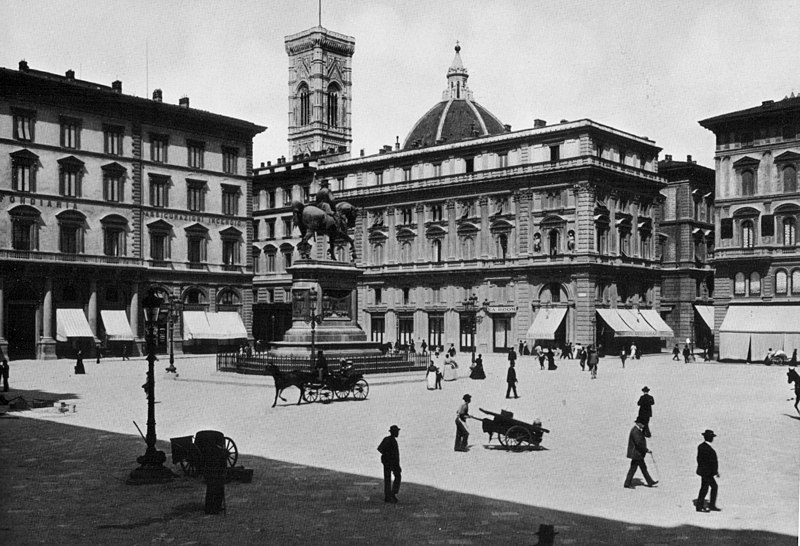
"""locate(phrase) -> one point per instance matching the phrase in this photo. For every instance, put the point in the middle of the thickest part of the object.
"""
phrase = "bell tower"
(320, 85)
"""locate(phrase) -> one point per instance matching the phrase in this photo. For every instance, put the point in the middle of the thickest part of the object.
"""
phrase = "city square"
(327, 453)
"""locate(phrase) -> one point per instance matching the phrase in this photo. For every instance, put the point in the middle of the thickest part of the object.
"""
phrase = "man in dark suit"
(511, 379)
(637, 449)
(707, 469)
(390, 457)
(645, 410)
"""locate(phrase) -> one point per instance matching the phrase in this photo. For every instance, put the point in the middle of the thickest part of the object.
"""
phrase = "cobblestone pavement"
(62, 478)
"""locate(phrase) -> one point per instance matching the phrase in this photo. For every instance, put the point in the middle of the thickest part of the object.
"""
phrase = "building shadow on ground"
(62, 484)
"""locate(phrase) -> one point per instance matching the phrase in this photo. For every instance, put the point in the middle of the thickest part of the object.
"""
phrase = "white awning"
(637, 323)
(546, 322)
(227, 325)
(615, 322)
(71, 323)
(658, 324)
(706, 313)
(117, 326)
(195, 326)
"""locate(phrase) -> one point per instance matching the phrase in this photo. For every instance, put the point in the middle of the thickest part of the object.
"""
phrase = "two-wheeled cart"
(511, 432)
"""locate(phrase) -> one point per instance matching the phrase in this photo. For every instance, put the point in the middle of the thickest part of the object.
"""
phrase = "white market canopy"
(755, 329)
(71, 323)
(546, 322)
(208, 325)
(117, 326)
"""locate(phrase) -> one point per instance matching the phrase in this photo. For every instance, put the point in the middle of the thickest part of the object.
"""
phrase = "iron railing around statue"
(258, 363)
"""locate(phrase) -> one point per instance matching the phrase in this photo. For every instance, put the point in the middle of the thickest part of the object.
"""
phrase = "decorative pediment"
(405, 233)
(335, 70)
(746, 212)
(114, 169)
(114, 219)
(24, 155)
(230, 232)
(436, 231)
(467, 228)
(378, 235)
(553, 219)
(25, 211)
(196, 228)
(70, 216)
(70, 161)
(501, 225)
(159, 225)
(746, 162)
(787, 156)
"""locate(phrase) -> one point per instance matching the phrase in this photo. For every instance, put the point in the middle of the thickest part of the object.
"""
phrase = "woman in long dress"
(430, 376)
(450, 367)
(477, 369)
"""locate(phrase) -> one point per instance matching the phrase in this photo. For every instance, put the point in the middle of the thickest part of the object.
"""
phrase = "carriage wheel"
(325, 395)
(188, 468)
(231, 453)
(504, 441)
(361, 389)
(516, 436)
(341, 394)
(312, 394)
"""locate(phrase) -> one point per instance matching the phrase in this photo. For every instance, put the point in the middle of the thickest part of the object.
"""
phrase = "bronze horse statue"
(313, 220)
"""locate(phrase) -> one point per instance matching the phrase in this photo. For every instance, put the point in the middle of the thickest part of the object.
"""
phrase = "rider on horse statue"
(331, 219)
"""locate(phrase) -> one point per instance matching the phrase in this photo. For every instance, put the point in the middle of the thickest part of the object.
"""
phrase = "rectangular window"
(159, 248)
(196, 195)
(306, 194)
(21, 235)
(287, 196)
(70, 239)
(379, 179)
(230, 200)
(70, 183)
(378, 295)
(158, 148)
(502, 161)
(408, 215)
(726, 228)
(407, 174)
(112, 138)
(22, 176)
(271, 199)
(70, 133)
(112, 187)
(195, 249)
(270, 229)
(256, 200)
(24, 121)
(271, 262)
(196, 151)
(230, 158)
(437, 170)
(287, 228)
(470, 165)
(555, 152)
(113, 242)
(159, 192)
(377, 328)
(436, 213)
(256, 229)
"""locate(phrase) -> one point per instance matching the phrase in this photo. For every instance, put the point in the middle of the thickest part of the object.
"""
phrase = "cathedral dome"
(456, 117)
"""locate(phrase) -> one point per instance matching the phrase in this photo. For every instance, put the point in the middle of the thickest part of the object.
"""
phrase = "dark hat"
(467, 397)
(708, 432)
(546, 531)
(393, 427)
(639, 421)
(645, 389)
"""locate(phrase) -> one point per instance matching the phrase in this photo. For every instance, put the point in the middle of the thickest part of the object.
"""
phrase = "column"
(93, 307)
(46, 349)
(135, 310)
(3, 342)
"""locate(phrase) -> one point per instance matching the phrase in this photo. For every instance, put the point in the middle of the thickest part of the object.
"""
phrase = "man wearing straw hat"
(707, 469)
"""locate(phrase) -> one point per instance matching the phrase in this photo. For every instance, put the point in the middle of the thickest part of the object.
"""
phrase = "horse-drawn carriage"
(339, 384)
(511, 432)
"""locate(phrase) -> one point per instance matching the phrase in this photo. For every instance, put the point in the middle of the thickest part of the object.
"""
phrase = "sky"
(651, 68)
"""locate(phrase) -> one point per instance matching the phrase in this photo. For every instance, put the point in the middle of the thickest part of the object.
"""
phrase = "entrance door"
(21, 326)
(502, 334)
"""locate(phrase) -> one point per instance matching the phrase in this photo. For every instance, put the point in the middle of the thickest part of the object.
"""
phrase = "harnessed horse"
(294, 378)
(312, 220)
(794, 377)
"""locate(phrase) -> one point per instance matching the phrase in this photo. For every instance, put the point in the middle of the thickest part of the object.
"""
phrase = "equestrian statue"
(324, 217)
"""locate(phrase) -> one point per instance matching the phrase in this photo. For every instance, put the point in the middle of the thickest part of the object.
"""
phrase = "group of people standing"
(442, 367)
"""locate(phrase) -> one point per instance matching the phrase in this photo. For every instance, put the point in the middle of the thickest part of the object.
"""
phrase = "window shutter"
(767, 225)
(726, 228)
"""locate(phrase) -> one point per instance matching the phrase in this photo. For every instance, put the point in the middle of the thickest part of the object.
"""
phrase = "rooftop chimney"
(362, 152)
(184, 101)
(539, 123)
(688, 158)
(262, 164)
(116, 85)
(507, 128)
(70, 74)
(23, 66)
(564, 121)
(667, 157)
(157, 95)
(396, 142)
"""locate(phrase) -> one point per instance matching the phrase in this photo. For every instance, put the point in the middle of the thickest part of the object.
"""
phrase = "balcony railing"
(36, 255)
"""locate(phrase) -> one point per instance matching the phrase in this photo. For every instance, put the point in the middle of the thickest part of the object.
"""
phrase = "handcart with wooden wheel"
(512, 433)
(187, 452)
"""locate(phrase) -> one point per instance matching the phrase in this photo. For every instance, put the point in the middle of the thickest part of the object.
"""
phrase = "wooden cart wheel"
(504, 441)
(188, 468)
(231, 453)
(516, 436)
(361, 389)
(311, 393)
(342, 393)
(325, 395)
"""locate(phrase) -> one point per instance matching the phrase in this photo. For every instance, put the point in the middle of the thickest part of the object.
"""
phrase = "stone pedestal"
(337, 332)
(46, 349)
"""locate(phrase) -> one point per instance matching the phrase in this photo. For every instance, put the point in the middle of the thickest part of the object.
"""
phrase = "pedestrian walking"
(477, 369)
(593, 359)
(462, 432)
(511, 379)
(686, 354)
(542, 356)
(645, 403)
(439, 365)
(633, 352)
(4, 369)
(637, 449)
(79, 369)
(412, 348)
(450, 367)
(321, 366)
(551, 360)
(708, 352)
(676, 353)
(424, 346)
(390, 458)
(707, 469)
(512, 355)
(582, 356)
(97, 350)
(526, 350)
(125, 352)
(570, 351)
(623, 356)
(430, 376)
(452, 350)
(521, 347)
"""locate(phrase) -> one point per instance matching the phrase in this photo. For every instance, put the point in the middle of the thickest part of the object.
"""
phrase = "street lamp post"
(315, 319)
(151, 465)
(469, 307)
(175, 308)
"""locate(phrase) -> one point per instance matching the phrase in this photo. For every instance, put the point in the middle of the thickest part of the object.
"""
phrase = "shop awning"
(546, 322)
(706, 313)
(614, 321)
(71, 323)
(637, 323)
(195, 326)
(227, 325)
(654, 319)
(759, 328)
(117, 326)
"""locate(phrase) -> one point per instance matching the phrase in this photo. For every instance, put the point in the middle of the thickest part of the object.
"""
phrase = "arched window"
(71, 227)
(789, 231)
(781, 282)
(502, 246)
(755, 284)
(796, 281)
(256, 260)
(405, 252)
(738, 285)
(436, 250)
(194, 296)
(114, 228)
(789, 179)
(228, 297)
(748, 182)
(288, 252)
(333, 105)
(377, 253)
(747, 234)
(305, 104)
(468, 248)
(570, 240)
(537, 243)
(24, 228)
(552, 242)
(551, 293)
(339, 252)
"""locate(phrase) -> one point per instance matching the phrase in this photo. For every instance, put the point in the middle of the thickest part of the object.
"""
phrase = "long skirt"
(430, 379)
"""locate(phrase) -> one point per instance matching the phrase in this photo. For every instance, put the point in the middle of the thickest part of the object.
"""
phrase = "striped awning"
(654, 319)
(614, 321)
(195, 326)
(117, 326)
(227, 325)
(637, 323)
(706, 313)
(71, 323)
(546, 322)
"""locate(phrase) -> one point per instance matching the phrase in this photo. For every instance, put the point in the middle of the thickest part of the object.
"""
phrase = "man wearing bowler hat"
(707, 469)
(390, 457)
(637, 449)
(646, 403)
